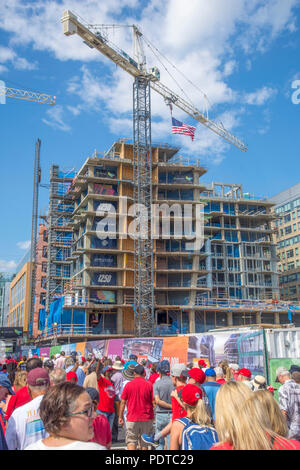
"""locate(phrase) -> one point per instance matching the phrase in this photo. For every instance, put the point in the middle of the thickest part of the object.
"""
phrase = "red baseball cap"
(197, 374)
(191, 394)
(71, 375)
(202, 363)
(38, 377)
(245, 373)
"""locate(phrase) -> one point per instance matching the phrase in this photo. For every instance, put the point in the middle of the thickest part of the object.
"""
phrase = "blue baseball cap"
(210, 373)
(164, 367)
(5, 382)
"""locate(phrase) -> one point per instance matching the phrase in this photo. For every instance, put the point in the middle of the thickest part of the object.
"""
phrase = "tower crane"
(27, 95)
(94, 36)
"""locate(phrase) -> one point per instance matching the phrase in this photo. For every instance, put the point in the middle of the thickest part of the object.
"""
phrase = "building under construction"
(230, 280)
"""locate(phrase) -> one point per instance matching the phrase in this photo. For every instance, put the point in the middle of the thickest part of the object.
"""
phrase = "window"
(293, 290)
(290, 253)
(288, 230)
(294, 215)
(267, 318)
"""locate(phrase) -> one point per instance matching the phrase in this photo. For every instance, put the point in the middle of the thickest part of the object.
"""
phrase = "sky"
(243, 56)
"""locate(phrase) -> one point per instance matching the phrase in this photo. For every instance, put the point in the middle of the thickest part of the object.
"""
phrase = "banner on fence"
(243, 348)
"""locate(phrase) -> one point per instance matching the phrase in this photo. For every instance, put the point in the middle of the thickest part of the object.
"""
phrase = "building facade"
(5, 280)
(19, 303)
(243, 254)
(287, 224)
(231, 280)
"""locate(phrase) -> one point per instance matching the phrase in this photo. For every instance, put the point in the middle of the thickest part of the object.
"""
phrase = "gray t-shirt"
(163, 389)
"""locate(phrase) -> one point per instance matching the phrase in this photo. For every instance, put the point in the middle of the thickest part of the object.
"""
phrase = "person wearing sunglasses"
(67, 412)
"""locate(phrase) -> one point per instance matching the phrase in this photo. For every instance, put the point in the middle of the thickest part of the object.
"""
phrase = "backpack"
(196, 437)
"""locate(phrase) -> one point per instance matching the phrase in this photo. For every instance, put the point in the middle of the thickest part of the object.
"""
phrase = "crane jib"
(71, 25)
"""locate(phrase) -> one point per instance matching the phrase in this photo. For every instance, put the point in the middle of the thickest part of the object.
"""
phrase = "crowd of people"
(76, 403)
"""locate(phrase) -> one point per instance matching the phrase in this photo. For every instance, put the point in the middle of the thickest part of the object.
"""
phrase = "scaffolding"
(142, 175)
(60, 233)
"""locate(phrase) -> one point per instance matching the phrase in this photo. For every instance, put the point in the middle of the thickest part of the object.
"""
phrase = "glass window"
(199, 322)
(268, 318)
(221, 319)
(210, 321)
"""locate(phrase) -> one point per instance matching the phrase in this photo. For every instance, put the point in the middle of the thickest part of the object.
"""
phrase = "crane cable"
(150, 45)
(169, 73)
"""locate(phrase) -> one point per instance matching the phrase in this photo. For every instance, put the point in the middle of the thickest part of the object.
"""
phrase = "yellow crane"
(26, 95)
(95, 37)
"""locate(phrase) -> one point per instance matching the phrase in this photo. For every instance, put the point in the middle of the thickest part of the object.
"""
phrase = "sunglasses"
(89, 412)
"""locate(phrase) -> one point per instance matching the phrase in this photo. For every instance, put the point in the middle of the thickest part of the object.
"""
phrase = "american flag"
(183, 129)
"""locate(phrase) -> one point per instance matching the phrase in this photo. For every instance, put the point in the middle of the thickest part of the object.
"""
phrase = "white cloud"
(75, 110)
(19, 63)
(56, 119)
(23, 64)
(7, 266)
(202, 38)
(260, 97)
(3, 69)
(24, 245)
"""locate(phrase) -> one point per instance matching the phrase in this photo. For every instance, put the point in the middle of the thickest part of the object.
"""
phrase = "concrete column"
(119, 321)
(192, 326)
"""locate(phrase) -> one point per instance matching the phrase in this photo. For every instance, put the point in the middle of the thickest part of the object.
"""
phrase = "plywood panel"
(128, 320)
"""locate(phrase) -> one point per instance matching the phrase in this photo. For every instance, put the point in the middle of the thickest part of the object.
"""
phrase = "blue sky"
(244, 57)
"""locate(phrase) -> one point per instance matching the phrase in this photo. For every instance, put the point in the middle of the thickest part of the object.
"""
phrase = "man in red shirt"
(22, 396)
(138, 396)
(107, 393)
(179, 375)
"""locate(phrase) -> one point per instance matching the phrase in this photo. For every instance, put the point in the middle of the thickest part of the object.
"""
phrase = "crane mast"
(142, 158)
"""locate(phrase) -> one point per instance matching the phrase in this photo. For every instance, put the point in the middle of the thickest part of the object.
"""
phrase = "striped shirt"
(289, 401)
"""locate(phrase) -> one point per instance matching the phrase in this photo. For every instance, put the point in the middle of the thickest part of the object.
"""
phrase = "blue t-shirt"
(3, 444)
(211, 389)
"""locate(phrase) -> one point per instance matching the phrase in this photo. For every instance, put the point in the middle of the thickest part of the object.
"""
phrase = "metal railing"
(243, 304)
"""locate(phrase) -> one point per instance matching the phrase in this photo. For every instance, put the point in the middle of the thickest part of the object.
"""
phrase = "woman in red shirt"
(102, 432)
(243, 423)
